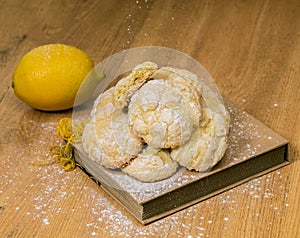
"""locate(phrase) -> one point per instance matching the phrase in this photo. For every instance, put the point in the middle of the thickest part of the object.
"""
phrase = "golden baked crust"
(128, 85)
(107, 138)
(162, 115)
(183, 82)
(151, 165)
(209, 142)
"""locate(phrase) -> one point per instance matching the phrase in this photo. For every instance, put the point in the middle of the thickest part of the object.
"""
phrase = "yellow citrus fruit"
(48, 77)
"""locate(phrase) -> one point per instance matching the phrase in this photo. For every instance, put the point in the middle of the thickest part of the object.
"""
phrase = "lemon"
(49, 76)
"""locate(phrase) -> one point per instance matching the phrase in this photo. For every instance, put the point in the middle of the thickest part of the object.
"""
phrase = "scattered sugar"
(53, 188)
(246, 138)
(46, 221)
(243, 144)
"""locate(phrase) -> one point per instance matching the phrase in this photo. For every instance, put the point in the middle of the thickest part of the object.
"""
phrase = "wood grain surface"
(250, 47)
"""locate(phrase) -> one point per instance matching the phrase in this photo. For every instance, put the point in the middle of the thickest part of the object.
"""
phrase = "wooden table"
(252, 50)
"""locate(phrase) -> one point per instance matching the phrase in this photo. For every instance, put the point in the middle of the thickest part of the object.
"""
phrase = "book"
(253, 150)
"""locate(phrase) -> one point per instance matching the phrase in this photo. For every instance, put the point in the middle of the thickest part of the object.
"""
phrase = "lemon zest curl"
(64, 154)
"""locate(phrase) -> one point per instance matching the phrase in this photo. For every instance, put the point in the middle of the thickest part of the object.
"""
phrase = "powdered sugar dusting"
(245, 141)
(133, 19)
(246, 138)
(49, 193)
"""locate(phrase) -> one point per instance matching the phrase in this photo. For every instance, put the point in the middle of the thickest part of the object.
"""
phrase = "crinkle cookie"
(151, 165)
(162, 115)
(128, 85)
(107, 138)
(183, 84)
(89, 141)
(209, 142)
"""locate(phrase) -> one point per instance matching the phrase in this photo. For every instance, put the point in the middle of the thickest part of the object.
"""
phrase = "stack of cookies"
(155, 120)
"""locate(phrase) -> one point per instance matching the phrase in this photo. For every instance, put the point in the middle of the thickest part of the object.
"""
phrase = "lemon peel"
(64, 154)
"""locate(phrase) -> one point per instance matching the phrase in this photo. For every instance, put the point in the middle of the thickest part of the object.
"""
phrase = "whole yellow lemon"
(48, 77)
